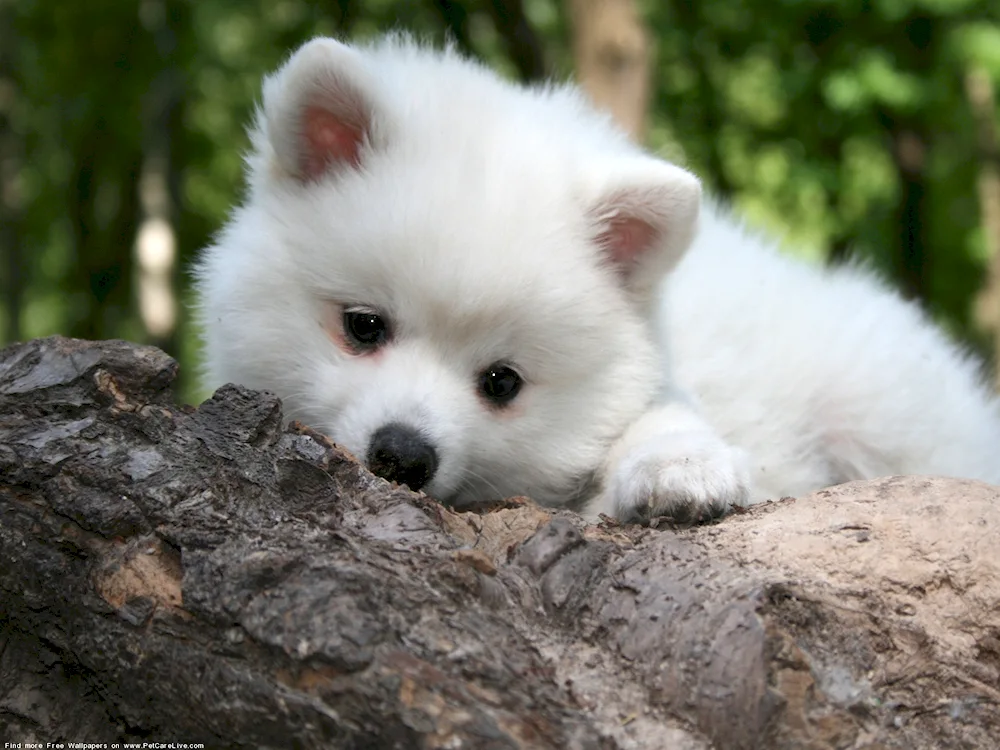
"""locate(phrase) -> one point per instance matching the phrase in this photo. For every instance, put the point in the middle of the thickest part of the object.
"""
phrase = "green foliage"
(796, 112)
(793, 109)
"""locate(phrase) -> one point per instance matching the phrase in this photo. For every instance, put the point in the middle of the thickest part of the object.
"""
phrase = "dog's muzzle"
(401, 454)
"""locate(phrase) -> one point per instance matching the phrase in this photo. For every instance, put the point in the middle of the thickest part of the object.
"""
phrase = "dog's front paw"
(689, 477)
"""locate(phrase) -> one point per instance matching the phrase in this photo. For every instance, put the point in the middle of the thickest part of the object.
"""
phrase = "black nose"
(401, 454)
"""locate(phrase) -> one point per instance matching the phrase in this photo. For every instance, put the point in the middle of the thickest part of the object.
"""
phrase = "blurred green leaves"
(798, 111)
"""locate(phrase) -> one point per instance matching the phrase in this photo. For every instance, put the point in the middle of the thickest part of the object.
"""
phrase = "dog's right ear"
(317, 110)
(643, 213)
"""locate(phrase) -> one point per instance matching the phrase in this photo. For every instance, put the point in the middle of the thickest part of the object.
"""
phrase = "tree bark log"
(207, 575)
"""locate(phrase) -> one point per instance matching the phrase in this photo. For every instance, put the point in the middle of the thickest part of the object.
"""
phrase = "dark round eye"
(365, 328)
(500, 383)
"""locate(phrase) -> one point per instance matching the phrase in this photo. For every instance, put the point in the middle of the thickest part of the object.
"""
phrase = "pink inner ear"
(328, 140)
(626, 238)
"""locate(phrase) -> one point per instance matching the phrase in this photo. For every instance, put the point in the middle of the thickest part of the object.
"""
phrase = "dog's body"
(460, 281)
(823, 376)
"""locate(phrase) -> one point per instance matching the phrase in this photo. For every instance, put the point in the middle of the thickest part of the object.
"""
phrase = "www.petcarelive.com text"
(103, 746)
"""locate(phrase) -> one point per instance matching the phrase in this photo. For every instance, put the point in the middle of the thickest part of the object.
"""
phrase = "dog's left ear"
(643, 214)
(318, 110)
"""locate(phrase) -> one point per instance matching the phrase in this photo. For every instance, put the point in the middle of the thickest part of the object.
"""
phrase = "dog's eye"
(365, 328)
(500, 383)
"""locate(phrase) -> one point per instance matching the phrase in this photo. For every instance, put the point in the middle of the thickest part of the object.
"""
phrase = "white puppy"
(461, 281)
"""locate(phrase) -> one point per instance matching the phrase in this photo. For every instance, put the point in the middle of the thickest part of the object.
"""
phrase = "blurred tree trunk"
(156, 238)
(979, 89)
(523, 45)
(909, 135)
(10, 197)
(611, 50)
(105, 174)
(909, 152)
(839, 252)
(346, 15)
(456, 21)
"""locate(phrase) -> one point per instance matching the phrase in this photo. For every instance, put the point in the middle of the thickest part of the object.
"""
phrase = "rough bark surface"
(207, 575)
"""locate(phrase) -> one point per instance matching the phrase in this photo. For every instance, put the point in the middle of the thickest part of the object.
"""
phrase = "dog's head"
(448, 274)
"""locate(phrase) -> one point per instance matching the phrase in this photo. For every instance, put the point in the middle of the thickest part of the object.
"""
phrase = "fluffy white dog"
(475, 288)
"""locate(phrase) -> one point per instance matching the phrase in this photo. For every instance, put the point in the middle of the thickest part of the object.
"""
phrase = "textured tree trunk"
(209, 576)
(979, 89)
(612, 53)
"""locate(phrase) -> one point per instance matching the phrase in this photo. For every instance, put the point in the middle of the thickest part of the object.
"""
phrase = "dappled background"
(851, 129)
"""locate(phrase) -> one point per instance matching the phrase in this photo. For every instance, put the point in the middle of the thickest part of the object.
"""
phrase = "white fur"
(474, 221)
